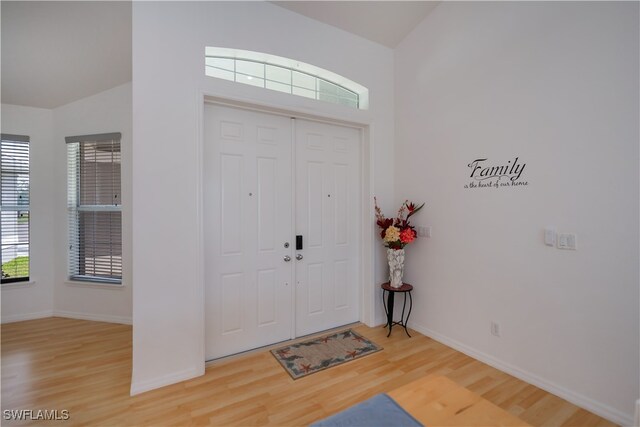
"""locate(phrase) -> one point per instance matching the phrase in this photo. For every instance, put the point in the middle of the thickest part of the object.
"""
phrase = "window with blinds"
(94, 208)
(14, 207)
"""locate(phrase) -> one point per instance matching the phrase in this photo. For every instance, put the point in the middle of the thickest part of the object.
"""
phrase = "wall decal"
(485, 174)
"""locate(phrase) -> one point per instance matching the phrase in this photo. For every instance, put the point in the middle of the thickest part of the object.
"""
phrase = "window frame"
(252, 68)
(75, 208)
(292, 85)
(17, 207)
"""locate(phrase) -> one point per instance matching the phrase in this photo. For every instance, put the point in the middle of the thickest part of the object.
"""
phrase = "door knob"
(299, 257)
(287, 258)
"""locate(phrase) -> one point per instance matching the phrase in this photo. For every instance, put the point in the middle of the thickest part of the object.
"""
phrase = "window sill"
(18, 285)
(86, 284)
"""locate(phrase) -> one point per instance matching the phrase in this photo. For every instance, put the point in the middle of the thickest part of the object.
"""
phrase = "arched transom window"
(284, 75)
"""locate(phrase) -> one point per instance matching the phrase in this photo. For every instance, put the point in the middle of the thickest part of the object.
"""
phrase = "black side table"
(388, 305)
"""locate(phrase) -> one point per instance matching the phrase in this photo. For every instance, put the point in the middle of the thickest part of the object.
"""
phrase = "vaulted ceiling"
(56, 52)
(384, 22)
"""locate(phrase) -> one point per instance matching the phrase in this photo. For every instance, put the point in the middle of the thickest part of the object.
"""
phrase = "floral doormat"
(317, 354)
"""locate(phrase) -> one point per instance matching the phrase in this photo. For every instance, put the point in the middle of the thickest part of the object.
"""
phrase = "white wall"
(24, 301)
(555, 84)
(169, 40)
(108, 111)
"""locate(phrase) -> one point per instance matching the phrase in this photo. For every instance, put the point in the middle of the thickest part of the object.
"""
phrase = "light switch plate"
(567, 241)
(550, 236)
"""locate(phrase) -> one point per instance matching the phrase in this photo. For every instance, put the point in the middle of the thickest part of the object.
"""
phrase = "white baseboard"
(176, 377)
(95, 317)
(601, 409)
(26, 316)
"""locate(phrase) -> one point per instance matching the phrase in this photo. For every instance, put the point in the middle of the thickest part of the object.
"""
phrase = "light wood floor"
(85, 368)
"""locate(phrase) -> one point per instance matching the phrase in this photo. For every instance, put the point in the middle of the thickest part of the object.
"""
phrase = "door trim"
(366, 265)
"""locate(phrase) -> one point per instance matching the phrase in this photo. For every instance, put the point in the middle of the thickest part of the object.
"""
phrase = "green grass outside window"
(17, 267)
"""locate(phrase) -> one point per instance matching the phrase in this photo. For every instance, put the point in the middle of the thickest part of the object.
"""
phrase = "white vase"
(396, 266)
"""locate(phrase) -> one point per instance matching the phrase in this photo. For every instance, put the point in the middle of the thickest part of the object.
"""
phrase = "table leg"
(403, 322)
(390, 301)
(409, 313)
(384, 304)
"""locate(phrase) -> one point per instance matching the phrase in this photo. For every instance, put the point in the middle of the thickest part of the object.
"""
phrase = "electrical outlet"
(424, 231)
(495, 329)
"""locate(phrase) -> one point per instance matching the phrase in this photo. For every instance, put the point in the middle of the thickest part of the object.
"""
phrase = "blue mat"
(379, 411)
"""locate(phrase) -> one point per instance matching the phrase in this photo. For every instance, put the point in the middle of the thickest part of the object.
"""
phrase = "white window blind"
(14, 229)
(94, 208)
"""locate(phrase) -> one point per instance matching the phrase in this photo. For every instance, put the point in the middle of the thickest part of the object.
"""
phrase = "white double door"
(268, 179)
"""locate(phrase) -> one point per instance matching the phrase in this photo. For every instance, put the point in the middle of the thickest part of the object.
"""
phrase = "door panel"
(231, 179)
(267, 204)
(247, 219)
(327, 209)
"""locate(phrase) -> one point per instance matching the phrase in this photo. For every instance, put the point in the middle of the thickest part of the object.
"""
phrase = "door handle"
(287, 258)
(299, 257)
